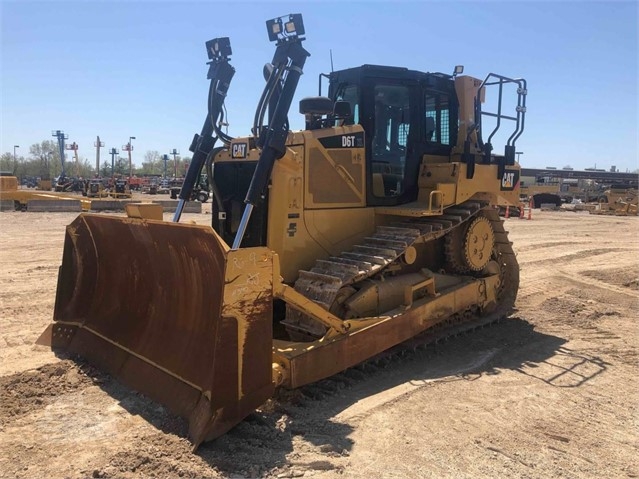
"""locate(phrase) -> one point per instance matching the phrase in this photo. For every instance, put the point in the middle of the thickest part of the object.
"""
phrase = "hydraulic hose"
(276, 133)
(274, 78)
(220, 74)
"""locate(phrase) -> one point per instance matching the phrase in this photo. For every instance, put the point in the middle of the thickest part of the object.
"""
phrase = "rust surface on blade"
(169, 311)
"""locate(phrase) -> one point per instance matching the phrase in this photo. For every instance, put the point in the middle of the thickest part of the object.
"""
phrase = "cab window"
(437, 121)
(390, 137)
(350, 93)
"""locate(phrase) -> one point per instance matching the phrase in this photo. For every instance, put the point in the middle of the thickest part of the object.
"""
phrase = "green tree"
(85, 169)
(152, 164)
(45, 159)
(105, 170)
(122, 166)
(7, 164)
(179, 165)
(182, 166)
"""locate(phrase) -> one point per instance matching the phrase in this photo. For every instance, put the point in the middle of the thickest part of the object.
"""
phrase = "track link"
(375, 253)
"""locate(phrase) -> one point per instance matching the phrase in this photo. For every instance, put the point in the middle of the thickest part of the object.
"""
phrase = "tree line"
(43, 161)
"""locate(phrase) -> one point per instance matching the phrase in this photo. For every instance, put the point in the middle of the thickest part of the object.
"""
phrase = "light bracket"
(219, 48)
(286, 27)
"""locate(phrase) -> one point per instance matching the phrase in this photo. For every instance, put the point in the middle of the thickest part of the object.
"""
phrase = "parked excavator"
(328, 246)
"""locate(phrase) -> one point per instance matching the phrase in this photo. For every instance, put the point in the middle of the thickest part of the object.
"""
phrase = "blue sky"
(120, 69)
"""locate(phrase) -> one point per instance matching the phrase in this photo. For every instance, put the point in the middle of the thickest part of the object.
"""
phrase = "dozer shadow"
(309, 412)
(512, 344)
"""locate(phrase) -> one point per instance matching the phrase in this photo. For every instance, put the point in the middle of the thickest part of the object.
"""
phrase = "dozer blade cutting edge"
(169, 310)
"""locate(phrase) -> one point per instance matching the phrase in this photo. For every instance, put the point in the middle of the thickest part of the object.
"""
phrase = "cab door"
(391, 119)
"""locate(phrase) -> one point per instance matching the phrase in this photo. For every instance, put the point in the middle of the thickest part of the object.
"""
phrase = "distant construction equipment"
(61, 136)
(98, 144)
(74, 147)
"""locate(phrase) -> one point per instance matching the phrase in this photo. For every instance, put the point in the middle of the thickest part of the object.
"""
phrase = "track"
(324, 282)
(458, 325)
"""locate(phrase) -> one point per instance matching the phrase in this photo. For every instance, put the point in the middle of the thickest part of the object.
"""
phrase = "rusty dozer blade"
(170, 311)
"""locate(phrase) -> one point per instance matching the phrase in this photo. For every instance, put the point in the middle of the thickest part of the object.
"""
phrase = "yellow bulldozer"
(375, 223)
(618, 202)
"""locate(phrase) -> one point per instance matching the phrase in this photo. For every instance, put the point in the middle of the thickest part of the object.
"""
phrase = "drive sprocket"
(479, 243)
(470, 248)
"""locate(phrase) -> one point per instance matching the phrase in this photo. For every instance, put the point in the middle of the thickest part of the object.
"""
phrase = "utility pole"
(74, 146)
(175, 153)
(60, 135)
(98, 144)
(15, 161)
(113, 152)
(518, 153)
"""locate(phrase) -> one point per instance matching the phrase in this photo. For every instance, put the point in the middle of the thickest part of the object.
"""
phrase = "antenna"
(331, 52)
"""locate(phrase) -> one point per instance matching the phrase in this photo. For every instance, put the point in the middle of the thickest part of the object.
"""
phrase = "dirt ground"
(550, 392)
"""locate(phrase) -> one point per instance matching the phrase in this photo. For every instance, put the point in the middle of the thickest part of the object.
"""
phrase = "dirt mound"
(24, 392)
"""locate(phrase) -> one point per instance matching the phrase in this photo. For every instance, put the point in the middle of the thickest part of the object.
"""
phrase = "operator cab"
(405, 114)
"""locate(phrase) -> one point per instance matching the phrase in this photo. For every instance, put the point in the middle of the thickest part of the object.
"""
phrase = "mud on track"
(549, 392)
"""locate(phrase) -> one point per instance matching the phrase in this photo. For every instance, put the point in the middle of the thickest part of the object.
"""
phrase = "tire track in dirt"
(551, 244)
(571, 257)
(535, 288)
(626, 296)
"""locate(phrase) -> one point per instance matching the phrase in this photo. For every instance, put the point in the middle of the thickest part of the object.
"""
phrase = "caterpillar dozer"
(375, 223)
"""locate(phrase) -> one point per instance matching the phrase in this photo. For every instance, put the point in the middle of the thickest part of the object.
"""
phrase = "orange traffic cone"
(507, 212)
(522, 207)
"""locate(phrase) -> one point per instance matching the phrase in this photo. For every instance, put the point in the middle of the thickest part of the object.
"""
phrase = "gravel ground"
(549, 392)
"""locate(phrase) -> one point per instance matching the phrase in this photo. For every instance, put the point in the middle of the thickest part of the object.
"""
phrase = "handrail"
(520, 109)
(433, 194)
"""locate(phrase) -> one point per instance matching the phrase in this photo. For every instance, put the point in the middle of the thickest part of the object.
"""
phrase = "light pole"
(130, 162)
(15, 162)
